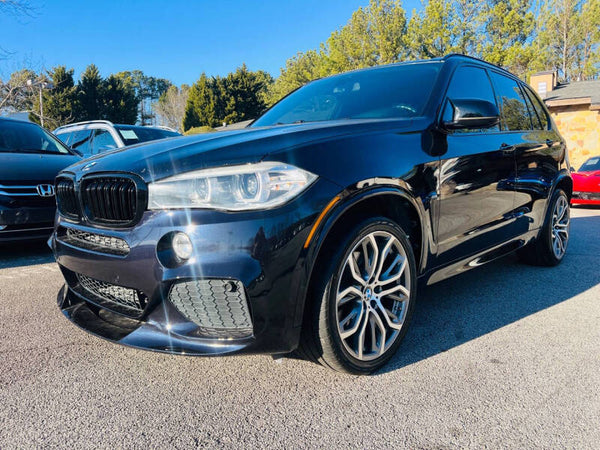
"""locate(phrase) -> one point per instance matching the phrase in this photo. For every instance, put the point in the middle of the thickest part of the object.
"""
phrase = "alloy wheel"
(560, 227)
(373, 295)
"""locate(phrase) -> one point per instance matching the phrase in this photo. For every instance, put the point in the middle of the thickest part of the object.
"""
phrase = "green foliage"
(570, 38)
(119, 102)
(89, 94)
(199, 130)
(428, 34)
(508, 26)
(59, 103)
(201, 104)
(241, 95)
(373, 35)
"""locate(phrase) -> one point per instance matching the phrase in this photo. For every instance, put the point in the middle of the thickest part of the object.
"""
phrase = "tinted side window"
(469, 82)
(81, 141)
(539, 108)
(103, 141)
(514, 112)
(535, 121)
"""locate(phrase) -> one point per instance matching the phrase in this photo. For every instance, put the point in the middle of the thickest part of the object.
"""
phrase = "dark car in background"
(311, 229)
(98, 136)
(30, 159)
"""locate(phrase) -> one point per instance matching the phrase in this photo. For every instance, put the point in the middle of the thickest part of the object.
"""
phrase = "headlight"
(234, 188)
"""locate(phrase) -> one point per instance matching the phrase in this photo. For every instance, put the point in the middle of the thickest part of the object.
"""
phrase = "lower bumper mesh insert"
(114, 297)
(93, 241)
(218, 307)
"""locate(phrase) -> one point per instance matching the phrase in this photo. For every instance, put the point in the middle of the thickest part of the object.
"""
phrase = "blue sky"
(176, 40)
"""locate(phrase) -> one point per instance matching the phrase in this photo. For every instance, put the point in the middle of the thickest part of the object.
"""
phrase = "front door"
(476, 179)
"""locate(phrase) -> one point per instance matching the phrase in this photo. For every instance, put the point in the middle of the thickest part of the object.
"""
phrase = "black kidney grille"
(110, 200)
(66, 198)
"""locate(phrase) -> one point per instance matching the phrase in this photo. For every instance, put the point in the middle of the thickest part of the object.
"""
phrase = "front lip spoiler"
(150, 334)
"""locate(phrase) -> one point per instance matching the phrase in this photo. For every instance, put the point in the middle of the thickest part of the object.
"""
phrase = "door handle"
(549, 142)
(507, 148)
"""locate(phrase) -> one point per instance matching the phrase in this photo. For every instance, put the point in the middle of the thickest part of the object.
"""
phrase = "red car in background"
(586, 183)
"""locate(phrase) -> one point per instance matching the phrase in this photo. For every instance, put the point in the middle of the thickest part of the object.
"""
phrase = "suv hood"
(161, 159)
(32, 168)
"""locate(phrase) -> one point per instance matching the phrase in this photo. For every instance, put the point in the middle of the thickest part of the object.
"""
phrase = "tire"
(361, 332)
(550, 246)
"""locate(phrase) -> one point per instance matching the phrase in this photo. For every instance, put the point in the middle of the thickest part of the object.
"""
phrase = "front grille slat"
(117, 200)
(66, 198)
(111, 200)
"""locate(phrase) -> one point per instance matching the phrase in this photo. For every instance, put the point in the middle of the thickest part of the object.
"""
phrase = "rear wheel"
(551, 245)
(363, 299)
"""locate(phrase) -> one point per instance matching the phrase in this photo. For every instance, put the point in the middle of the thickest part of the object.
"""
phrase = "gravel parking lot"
(503, 356)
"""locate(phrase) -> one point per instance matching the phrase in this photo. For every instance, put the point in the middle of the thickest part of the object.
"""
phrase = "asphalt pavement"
(505, 355)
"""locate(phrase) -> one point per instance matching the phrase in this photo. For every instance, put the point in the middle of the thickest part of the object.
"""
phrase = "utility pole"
(42, 85)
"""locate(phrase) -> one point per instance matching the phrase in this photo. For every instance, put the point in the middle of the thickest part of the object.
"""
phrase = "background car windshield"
(591, 165)
(134, 135)
(16, 137)
(382, 93)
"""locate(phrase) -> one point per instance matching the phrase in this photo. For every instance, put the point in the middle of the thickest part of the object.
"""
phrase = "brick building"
(575, 107)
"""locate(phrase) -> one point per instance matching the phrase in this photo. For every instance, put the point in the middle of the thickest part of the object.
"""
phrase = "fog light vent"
(218, 307)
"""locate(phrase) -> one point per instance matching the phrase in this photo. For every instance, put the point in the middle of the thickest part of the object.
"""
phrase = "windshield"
(381, 93)
(134, 135)
(25, 137)
(591, 165)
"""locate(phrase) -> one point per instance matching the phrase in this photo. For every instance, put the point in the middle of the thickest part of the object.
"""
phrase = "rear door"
(476, 173)
(537, 163)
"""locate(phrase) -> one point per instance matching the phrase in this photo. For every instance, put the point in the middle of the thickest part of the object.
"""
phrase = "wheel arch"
(394, 203)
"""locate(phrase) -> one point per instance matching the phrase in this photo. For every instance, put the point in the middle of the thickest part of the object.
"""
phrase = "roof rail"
(162, 127)
(87, 122)
(460, 55)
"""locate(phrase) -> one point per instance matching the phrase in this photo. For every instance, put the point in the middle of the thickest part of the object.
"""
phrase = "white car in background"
(97, 136)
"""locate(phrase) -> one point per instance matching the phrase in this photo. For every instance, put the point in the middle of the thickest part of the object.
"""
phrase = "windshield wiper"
(291, 123)
(31, 150)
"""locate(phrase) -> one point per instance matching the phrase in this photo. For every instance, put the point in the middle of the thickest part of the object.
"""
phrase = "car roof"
(8, 119)
(108, 123)
(451, 57)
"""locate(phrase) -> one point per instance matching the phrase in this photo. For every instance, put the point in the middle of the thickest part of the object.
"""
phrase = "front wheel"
(363, 299)
(550, 246)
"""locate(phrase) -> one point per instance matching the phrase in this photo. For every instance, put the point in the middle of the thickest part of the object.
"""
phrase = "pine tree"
(119, 102)
(89, 94)
(59, 102)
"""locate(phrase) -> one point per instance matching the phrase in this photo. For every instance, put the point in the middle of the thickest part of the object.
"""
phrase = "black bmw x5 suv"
(312, 228)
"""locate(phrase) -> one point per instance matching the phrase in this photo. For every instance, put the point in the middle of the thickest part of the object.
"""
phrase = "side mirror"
(472, 113)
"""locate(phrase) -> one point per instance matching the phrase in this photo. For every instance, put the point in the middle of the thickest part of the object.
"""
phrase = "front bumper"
(20, 223)
(262, 251)
(157, 332)
(585, 198)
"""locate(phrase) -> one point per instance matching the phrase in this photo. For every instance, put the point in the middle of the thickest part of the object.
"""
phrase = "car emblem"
(89, 166)
(45, 190)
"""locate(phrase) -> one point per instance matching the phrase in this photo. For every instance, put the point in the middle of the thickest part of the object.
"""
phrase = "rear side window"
(539, 108)
(535, 121)
(514, 112)
(469, 82)
(80, 141)
(103, 141)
